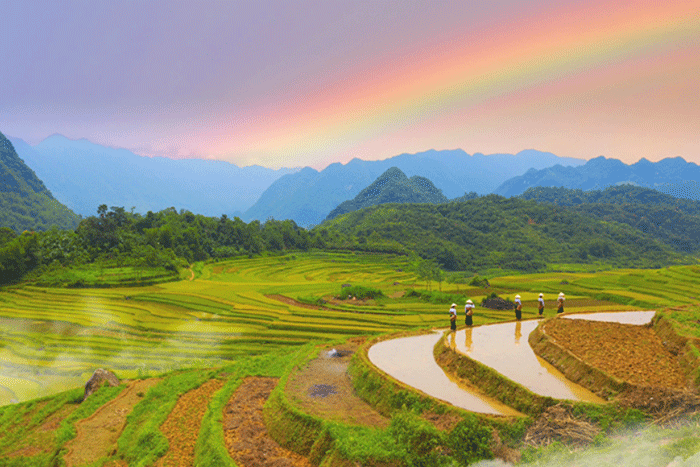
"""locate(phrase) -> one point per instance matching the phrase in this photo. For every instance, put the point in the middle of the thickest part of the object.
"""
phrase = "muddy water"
(503, 347)
(622, 317)
(410, 360)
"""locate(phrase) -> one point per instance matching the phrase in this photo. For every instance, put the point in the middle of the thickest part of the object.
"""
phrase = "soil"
(182, 425)
(324, 389)
(631, 353)
(246, 436)
(97, 435)
(39, 439)
(557, 423)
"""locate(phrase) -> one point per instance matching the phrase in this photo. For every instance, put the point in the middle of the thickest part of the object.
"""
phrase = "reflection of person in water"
(468, 339)
(452, 341)
(518, 332)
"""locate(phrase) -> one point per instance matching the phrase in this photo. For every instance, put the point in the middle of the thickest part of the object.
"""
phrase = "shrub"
(360, 292)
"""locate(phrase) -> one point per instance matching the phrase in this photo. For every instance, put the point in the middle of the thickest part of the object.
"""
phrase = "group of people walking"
(469, 310)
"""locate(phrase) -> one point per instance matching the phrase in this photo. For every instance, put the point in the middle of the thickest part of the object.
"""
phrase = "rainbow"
(524, 60)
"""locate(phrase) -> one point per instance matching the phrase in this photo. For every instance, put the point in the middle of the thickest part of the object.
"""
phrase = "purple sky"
(313, 82)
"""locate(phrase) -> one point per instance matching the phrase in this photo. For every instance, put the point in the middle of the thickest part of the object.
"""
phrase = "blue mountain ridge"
(83, 175)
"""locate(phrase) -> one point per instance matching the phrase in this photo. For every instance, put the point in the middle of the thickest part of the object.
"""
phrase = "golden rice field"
(53, 339)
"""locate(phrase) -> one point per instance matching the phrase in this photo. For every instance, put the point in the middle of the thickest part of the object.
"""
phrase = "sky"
(309, 83)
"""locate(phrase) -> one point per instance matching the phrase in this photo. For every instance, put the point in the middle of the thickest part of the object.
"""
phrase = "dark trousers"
(468, 320)
(518, 314)
(453, 324)
(560, 309)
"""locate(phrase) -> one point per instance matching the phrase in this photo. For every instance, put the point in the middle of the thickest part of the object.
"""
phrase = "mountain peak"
(392, 186)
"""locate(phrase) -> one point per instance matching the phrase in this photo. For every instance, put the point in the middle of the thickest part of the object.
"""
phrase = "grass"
(53, 337)
(228, 317)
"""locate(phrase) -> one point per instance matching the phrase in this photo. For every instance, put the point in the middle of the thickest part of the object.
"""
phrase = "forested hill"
(25, 203)
(674, 176)
(673, 221)
(493, 231)
(393, 186)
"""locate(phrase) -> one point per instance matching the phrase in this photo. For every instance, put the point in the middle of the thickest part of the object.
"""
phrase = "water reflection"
(451, 339)
(468, 339)
(494, 346)
(623, 317)
(410, 360)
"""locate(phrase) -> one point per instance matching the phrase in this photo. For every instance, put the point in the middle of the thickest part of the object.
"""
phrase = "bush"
(470, 441)
(360, 292)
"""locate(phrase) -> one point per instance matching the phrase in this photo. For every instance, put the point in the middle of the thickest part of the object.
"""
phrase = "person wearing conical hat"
(540, 305)
(560, 303)
(518, 308)
(453, 317)
(468, 312)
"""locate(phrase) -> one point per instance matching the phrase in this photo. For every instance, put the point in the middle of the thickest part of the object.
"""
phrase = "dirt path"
(245, 433)
(182, 425)
(631, 353)
(97, 435)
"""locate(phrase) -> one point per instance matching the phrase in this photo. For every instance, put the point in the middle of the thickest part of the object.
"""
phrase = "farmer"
(518, 308)
(540, 305)
(468, 312)
(560, 303)
(453, 317)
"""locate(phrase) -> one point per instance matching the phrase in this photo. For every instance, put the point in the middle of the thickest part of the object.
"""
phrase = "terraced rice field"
(53, 339)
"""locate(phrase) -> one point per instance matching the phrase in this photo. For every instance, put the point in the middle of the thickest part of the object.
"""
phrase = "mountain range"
(308, 196)
(674, 176)
(25, 202)
(84, 175)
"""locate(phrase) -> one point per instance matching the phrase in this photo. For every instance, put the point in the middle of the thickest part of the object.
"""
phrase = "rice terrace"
(183, 348)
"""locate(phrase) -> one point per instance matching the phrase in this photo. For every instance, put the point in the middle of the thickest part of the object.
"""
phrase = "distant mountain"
(25, 203)
(308, 195)
(85, 175)
(674, 176)
(393, 186)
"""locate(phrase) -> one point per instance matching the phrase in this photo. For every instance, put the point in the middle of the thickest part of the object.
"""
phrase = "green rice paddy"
(53, 339)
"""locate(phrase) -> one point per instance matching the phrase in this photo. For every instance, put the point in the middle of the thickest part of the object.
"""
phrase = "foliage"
(157, 244)
(435, 297)
(392, 187)
(673, 221)
(470, 441)
(361, 292)
(25, 203)
(492, 231)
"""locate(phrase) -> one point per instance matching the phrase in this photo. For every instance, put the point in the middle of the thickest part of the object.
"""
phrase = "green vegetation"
(673, 221)
(360, 292)
(25, 203)
(393, 186)
(118, 293)
(491, 231)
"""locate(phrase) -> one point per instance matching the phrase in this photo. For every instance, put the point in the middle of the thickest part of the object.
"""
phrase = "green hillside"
(25, 203)
(673, 221)
(493, 231)
(393, 186)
